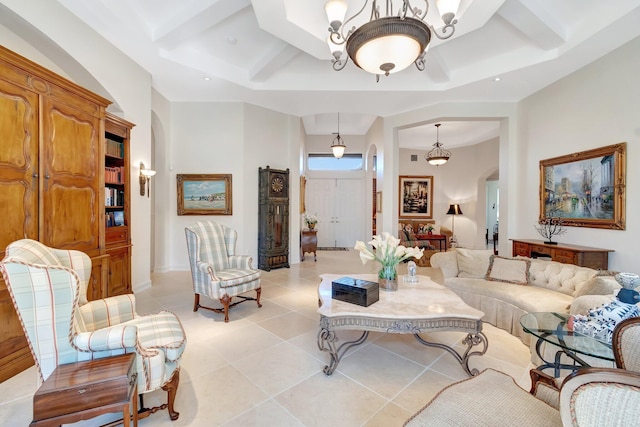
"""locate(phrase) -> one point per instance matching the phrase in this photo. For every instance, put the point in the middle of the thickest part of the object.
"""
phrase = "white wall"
(596, 106)
(461, 180)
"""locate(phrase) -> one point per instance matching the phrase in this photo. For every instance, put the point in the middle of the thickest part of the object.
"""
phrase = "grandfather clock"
(273, 219)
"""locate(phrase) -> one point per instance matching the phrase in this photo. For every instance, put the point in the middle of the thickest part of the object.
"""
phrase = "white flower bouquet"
(387, 250)
(310, 220)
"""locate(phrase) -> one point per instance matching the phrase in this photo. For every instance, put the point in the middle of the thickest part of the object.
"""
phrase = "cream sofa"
(507, 288)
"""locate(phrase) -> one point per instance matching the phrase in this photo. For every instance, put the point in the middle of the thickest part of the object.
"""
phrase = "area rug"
(328, 248)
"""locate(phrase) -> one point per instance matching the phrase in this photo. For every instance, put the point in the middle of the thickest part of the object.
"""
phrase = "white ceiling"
(272, 53)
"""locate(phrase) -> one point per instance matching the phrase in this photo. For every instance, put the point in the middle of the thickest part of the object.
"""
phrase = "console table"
(583, 256)
(308, 243)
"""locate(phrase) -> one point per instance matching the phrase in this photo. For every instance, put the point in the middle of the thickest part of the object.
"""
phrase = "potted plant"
(310, 220)
(429, 229)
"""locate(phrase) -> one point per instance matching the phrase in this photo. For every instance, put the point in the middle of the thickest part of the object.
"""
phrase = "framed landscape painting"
(416, 196)
(204, 194)
(585, 189)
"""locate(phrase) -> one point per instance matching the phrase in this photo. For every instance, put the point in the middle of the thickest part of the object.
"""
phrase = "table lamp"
(454, 210)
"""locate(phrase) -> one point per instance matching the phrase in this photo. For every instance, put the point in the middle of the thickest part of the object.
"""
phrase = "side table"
(83, 390)
(552, 328)
(308, 243)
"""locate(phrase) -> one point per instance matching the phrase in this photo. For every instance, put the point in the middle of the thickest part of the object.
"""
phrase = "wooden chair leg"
(196, 302)
(226, 300)
(171, 388)
(258, 292)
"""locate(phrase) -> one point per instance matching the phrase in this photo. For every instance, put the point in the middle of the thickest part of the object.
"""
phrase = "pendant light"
(438, 155)
(337, 146)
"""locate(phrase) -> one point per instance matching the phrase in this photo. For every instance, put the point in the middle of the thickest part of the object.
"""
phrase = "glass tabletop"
(552, 327)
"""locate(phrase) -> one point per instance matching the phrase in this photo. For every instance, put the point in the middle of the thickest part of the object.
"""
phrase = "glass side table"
(552, 328)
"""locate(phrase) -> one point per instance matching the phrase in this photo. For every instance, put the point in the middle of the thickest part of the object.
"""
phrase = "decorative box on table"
(355, 291)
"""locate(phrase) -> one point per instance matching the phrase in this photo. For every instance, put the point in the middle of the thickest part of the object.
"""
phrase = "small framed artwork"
(585, 189)
(379, 201)
(204, 194)
(416, 196)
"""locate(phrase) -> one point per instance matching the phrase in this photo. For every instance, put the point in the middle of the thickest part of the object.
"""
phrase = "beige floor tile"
(289, 325)
(380, 370)
(421, 390)
(390, 416)
(267, 414)
(277, 368)
(330, 401)
(242, 342)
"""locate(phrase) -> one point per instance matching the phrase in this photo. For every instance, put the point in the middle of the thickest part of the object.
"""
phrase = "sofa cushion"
(473, 263)
(508, 270)
(564, 278)
(531, 299)
(447, 262)
(598, 285)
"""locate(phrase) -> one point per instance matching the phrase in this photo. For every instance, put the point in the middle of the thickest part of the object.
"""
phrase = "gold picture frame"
(416, 196)
(585, 189)
(204, 194)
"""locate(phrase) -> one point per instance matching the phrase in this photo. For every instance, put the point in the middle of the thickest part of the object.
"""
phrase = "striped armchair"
(216, 271)
(48, 288)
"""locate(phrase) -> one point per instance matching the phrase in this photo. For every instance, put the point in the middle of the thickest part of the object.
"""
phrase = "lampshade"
(454, 210)
(388, 45)
(335, 10)
(338, 147)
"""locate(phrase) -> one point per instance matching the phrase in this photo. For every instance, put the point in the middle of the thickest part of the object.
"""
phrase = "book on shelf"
(114, 174)
(114, 219)
(113, 197)
(114, 148)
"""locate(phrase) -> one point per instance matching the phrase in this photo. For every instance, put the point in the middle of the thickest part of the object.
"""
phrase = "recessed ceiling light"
(207, 78)
(231, 40)
(497, 79)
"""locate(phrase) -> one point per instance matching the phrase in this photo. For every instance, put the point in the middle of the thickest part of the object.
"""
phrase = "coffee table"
(415, 308)
(552, 328)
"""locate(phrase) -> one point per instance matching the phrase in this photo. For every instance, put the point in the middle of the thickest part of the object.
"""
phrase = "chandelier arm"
(420, 61)
(416, 12)
(445, 29)
(336, 35)
(339, 64)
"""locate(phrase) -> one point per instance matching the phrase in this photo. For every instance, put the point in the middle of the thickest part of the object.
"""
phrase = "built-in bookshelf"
(117, 192)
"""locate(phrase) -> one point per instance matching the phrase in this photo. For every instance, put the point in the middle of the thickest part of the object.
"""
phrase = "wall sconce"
(145, 176)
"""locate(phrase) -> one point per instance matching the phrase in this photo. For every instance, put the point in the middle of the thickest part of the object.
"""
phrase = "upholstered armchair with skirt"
(48, 288)
(216, 271)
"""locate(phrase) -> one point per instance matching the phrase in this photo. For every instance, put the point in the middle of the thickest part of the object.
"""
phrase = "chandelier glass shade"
(437, 155)
(390, 43)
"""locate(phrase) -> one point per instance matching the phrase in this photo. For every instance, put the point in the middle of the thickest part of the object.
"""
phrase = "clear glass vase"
(388, 278)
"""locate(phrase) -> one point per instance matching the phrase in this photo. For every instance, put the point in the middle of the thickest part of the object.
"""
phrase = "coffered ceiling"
(273, 53)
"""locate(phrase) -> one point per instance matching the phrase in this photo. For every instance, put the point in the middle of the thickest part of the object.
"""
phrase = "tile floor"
(263, 368)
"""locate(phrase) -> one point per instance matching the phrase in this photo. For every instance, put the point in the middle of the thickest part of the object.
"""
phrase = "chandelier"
(337, 146)
(438, 155)
(390, 43)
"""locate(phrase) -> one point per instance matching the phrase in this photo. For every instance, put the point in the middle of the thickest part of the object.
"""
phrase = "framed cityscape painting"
(416, 196)
(204, 194)
(585, 189)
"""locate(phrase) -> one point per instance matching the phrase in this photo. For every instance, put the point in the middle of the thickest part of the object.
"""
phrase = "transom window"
(326, 162)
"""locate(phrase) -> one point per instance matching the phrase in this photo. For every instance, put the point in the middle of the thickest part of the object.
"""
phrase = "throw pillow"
(598, 285)
(508, 270)
(473, 263)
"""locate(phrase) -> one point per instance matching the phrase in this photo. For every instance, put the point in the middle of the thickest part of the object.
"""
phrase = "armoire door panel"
(70, 168)
(18, 164)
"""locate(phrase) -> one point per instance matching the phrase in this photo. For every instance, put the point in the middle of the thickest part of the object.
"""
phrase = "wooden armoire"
(52, 183)
(273, 218)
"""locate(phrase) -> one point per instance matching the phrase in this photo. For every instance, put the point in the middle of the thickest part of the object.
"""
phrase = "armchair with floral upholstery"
(48, 288)
(216, 271)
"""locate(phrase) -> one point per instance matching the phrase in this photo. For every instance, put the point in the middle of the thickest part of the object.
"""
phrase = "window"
(326, 162)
